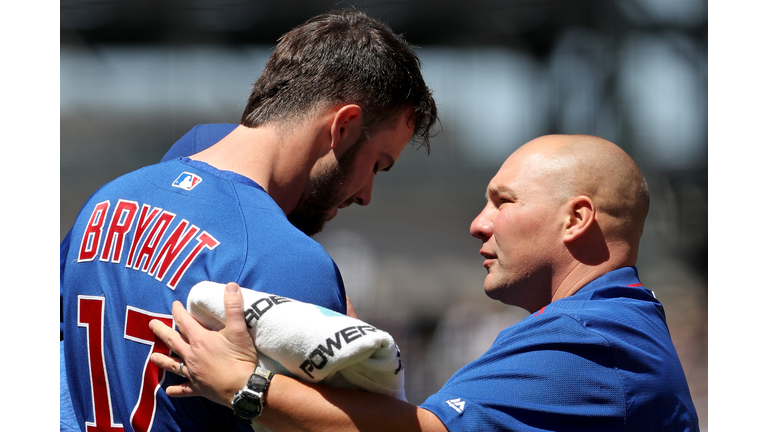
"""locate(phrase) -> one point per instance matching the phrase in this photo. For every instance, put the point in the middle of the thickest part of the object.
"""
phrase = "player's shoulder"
(275, 243)
(551, 326)
(281, 241)
(138, 178)
(187, 177)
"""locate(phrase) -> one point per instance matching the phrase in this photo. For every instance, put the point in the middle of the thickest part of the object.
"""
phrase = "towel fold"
(309, 342)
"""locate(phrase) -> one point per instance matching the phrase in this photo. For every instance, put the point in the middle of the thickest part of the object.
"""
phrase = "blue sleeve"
(307, 274)
(198, 139)
(540, 376)
(282, 260)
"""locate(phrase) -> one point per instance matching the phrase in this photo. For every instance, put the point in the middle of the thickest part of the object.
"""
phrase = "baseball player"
(241, 210)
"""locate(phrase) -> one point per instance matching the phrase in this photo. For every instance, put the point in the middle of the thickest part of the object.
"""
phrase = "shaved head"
(572, 165)
(562, 211)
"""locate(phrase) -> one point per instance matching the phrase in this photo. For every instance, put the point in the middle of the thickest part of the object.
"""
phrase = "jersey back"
(139, 244)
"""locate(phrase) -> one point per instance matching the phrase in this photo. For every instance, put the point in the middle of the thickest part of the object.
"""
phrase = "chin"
(493, 292)
(507, 295)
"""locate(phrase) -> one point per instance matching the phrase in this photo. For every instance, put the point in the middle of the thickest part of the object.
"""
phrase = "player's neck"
(280, 163)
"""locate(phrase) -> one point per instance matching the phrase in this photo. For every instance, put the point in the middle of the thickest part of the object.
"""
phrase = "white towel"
(309, 342)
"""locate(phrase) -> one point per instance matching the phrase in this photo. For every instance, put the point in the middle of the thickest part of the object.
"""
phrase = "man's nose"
(482, 226)
(364, 195)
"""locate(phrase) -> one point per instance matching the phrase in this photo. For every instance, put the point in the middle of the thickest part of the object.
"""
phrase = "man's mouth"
(489, 258)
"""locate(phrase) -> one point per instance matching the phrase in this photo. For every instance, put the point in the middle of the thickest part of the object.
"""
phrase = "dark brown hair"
(338, 58)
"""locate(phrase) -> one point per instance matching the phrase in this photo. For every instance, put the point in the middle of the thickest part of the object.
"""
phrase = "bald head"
(572, 165)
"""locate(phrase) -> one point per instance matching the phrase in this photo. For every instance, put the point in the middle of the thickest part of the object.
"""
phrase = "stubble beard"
(326, 193)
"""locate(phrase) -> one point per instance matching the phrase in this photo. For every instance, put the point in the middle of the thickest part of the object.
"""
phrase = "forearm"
(292, 405)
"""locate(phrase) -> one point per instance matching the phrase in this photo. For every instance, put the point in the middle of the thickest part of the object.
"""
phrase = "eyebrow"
(498, 190)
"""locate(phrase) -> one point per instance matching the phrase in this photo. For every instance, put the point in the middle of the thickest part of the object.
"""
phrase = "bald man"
(560, 233)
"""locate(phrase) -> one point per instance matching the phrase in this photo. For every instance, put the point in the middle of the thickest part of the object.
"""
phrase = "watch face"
(247, 404)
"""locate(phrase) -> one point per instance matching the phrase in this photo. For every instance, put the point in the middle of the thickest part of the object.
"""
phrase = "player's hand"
(217, 363)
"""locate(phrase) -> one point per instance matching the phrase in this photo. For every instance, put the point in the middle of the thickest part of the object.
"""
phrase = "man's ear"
(346, 126)
(581, 216)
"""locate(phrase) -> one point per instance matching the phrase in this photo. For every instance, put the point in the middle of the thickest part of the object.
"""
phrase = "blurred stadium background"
(136, 75)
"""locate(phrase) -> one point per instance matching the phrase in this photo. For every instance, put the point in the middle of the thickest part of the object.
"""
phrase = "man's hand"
(217, 363)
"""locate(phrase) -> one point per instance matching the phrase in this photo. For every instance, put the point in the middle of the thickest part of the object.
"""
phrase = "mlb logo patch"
(187, 181)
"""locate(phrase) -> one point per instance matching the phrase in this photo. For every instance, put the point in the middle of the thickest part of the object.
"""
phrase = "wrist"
(237, 380)
(248, 402)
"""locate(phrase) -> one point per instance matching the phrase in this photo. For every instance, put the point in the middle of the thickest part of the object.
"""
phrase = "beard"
(326, 192)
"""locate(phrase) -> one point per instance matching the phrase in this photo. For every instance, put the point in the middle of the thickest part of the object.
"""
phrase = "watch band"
(259, 380)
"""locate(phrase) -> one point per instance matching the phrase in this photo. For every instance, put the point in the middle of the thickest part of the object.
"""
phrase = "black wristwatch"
(249, 402)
